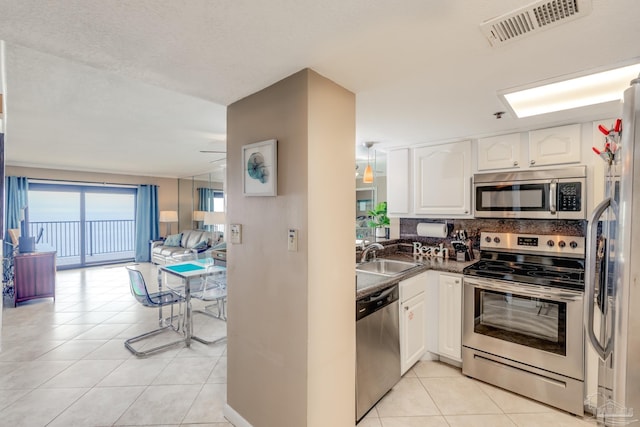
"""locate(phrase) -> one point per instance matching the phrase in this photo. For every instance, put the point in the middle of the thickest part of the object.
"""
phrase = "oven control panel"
(551, 244)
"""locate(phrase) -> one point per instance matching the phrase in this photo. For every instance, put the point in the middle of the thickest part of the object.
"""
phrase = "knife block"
(463, 256)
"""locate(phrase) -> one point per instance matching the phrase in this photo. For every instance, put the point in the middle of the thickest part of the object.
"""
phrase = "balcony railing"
(103, 237)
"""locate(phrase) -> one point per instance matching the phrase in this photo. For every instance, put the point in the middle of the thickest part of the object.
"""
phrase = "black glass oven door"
(529, 321)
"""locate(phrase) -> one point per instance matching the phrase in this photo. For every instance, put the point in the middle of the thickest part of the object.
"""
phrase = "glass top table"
(191, 273)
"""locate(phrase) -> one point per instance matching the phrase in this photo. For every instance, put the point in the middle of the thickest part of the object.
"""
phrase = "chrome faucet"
(370, 247)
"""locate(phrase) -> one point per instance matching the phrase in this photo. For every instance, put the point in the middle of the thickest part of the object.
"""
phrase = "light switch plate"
(236, 233)
(292, 240)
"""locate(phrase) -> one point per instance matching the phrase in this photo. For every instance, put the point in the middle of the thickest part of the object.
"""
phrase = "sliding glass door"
(86, 224)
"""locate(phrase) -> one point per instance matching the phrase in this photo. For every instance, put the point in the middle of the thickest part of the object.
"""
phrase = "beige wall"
(291, 327)
(331, 279)
(167, 187)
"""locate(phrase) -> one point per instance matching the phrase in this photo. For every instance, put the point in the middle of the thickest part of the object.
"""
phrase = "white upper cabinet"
(554, 146)
(499, 152)
(442, 179)
(398, 185)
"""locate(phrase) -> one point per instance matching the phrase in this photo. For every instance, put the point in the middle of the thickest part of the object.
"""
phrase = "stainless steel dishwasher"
(377, 347)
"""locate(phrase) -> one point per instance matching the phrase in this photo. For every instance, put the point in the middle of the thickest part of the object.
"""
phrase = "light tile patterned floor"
(64, 364)
(433, 394)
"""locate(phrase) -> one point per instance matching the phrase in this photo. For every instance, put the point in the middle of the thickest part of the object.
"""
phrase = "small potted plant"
(379, 220)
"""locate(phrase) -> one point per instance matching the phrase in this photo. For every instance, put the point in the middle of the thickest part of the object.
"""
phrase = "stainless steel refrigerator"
(612, 282)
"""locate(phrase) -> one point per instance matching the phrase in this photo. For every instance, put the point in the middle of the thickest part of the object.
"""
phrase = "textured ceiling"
(140, 86)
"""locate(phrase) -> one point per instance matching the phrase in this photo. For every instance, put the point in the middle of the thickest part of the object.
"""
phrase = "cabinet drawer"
(219, 255)
(412, 286)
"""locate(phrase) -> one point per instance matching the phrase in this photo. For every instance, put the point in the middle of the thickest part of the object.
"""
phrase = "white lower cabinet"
(450, 316)
(432, 303)
(412, 321)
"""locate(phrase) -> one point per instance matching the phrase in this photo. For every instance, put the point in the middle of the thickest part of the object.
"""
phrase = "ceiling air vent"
(534, 17)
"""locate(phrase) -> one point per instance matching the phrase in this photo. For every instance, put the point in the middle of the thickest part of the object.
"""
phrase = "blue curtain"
(205, 199)
(147, 227)
(17, 188)
(206, 204)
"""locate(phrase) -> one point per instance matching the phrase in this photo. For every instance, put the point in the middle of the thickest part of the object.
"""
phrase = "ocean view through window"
(86, 224)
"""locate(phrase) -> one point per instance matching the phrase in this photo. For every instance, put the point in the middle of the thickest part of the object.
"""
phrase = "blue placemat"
(184, 268)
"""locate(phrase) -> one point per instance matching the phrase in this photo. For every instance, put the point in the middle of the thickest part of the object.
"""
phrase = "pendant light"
(367, 178)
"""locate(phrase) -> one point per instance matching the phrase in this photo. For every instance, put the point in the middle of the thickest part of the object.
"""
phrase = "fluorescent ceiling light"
(573, 93)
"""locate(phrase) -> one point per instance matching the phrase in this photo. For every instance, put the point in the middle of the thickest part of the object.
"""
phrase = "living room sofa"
(186, 241)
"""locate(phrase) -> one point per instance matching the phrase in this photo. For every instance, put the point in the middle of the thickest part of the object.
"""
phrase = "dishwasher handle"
(376, 301)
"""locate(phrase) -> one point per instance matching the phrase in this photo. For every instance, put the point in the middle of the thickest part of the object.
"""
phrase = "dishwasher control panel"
(375, 301)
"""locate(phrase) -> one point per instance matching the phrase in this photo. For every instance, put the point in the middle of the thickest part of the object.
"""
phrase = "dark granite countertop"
(368, 283)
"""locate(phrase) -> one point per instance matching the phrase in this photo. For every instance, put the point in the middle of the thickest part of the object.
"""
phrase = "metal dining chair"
(157, 299)
(214, 290)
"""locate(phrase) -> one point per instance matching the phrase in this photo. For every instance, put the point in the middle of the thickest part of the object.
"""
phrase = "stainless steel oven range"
(522, 317)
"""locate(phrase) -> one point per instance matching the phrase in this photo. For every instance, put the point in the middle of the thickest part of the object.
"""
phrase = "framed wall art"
(260, 165)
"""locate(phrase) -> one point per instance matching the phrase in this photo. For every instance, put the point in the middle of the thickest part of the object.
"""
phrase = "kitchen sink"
(386, 267)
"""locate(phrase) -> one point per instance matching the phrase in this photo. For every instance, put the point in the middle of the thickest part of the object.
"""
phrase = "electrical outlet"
(236, 233)
(292, 240)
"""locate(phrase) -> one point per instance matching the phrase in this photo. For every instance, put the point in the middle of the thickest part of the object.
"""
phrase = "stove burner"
(494, 267)
(549, 274)
(529, 269)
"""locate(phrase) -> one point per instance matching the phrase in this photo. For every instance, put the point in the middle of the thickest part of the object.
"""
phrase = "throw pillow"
(220, 246)
(173, 240)
(201, 245)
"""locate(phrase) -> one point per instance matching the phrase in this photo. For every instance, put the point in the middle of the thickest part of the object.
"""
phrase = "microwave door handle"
(589, 280)
(553, 196)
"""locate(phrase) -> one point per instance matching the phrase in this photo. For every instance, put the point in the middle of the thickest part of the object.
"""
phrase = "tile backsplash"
(475, 226)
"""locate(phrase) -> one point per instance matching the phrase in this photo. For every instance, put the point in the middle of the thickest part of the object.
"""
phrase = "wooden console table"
(219, 257)
(35, 276)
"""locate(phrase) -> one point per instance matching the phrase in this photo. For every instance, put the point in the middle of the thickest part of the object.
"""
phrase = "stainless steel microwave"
(539, 194)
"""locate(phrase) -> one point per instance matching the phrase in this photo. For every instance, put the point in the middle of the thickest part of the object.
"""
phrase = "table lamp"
(213, 218)
(168, 217)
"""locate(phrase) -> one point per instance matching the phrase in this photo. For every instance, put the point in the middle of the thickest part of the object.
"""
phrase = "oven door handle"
(590, 281)
(512, 288)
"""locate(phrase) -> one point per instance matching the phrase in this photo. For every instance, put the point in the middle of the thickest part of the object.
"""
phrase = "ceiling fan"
(215, 152)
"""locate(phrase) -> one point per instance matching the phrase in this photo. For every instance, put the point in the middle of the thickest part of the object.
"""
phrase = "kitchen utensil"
(607, 155)
(603, 129)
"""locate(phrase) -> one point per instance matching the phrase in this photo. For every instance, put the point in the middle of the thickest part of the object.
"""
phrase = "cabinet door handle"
(532, 162)
(515, 163)
(406, 308)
